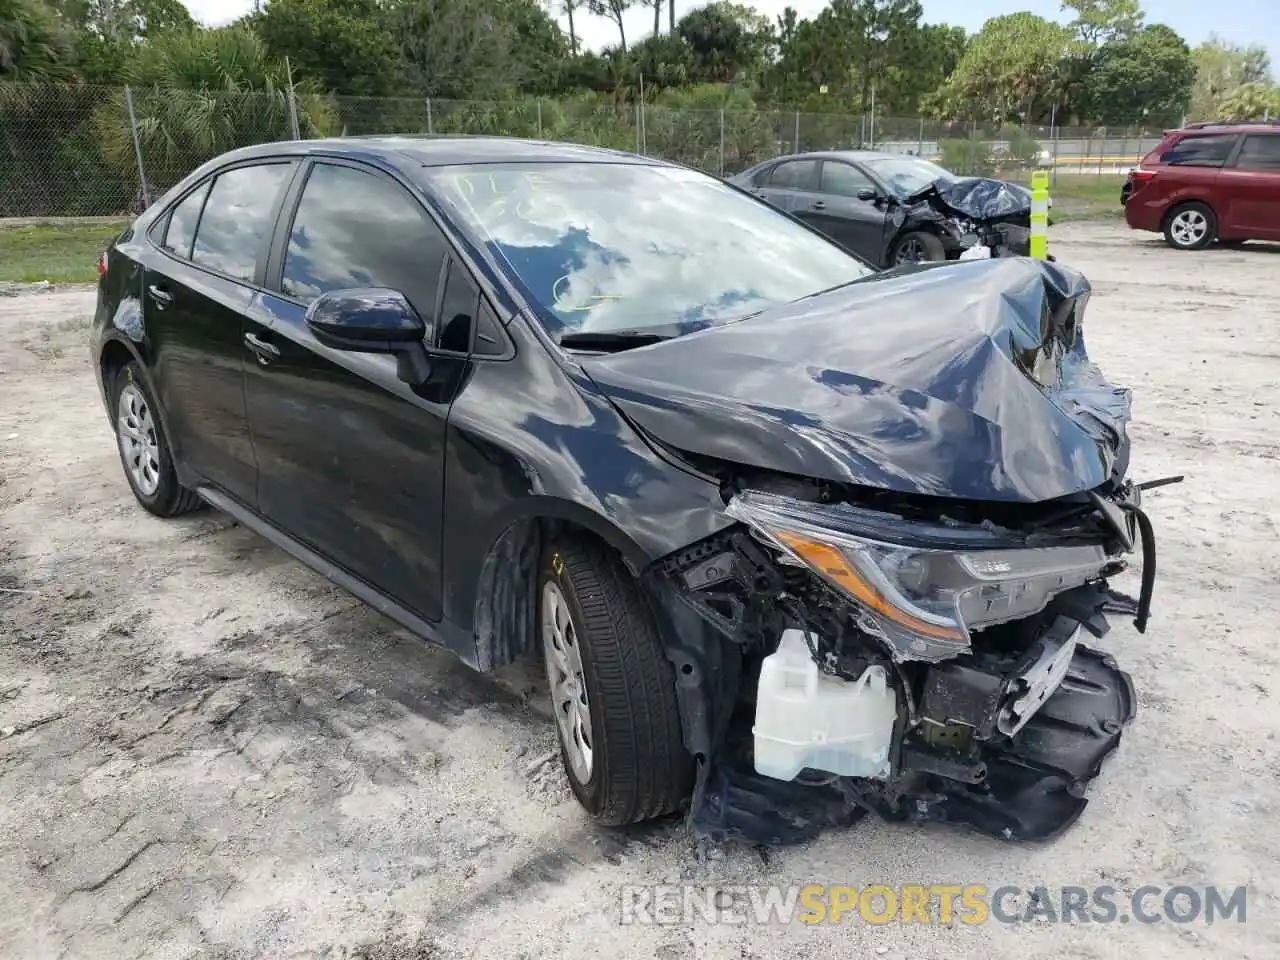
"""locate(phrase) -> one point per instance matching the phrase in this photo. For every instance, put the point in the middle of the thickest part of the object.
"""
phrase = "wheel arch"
(505, 603)
(1186, 201)
(115, 353)
(707, 665)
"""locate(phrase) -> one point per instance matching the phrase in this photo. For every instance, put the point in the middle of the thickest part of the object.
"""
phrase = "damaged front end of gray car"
(926, 524)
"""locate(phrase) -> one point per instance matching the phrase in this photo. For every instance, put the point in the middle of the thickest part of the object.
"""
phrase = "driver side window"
(844, 180)
(362, 229)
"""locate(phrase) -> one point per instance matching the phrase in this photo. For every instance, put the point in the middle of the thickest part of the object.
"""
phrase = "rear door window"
(1260, 151)
(236, 222)
(795, 175)
(1202, 151)
(362, 229)
(182, 223)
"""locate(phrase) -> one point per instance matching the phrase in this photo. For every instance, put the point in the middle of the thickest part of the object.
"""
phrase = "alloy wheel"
(1188, 228)
(564, 676)
(136, 430)
(910, 251)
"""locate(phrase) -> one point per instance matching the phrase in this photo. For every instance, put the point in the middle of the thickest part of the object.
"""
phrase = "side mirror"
(868, 193)
(372, 320)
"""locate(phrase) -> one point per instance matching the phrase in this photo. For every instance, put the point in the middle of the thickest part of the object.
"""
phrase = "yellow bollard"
(1040, 215)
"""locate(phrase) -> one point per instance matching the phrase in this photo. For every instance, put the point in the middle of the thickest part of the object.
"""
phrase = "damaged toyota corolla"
(796, 539)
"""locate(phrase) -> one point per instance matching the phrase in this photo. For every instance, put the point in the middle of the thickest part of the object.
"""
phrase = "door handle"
(264, 351)
(817, 205)
(159, 294)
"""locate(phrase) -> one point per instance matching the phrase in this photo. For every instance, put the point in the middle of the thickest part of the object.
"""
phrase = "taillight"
(1143, 176)
(102, 263)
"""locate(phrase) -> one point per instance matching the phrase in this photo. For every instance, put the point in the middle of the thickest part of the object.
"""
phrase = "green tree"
(540, 49)
(1011, 69)
(612, 10)
(685, 125)
(1104, 21)
(33, 42)
(200, 93)
(663, 60)
(1252, 101)
(852, 47)
(126, 19)
(343, 45)
(726, 40)
(1146, 78)
(930, 54)
(1222, 67)
(108, 32)
(569, 8)
(472, 49)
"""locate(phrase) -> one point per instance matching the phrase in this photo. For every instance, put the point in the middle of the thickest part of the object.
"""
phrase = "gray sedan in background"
(864, 201)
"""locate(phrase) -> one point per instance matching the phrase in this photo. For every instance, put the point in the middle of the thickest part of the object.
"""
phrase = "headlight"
(920, 586)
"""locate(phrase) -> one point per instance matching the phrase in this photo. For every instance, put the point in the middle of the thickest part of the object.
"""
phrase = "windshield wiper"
(611, 340)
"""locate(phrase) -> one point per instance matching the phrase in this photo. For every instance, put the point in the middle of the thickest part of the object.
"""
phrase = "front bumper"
(1030, 787)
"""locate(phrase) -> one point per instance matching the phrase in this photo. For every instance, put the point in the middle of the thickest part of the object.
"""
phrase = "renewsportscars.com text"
(971, 904)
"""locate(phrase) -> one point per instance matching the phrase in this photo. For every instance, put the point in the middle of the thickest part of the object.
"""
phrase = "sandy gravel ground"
(208, 751)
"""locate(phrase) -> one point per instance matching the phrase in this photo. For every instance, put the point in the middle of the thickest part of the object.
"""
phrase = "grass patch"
(1082, 196)
(60, 254)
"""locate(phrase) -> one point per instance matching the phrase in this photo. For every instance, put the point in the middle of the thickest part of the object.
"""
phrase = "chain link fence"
(81, 151)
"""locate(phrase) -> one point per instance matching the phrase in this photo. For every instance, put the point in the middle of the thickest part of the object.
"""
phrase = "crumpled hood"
(978, 198)
(965, 380)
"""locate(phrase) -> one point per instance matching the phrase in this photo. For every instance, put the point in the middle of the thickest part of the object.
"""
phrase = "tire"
(1190, 226)
(929, 247)
(638, 767)
(144, 450)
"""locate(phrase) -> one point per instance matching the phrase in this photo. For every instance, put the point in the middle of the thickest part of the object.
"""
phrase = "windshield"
(908, 175)
(618, 246)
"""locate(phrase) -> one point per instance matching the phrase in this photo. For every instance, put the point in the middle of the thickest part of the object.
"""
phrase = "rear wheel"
(1191, 226)
(612, 688)
(144, 450)
(917, 247)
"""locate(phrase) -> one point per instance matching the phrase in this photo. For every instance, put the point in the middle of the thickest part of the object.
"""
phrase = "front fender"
(528, 443)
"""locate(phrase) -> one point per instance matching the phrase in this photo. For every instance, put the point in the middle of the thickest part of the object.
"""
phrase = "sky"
(1240, 21)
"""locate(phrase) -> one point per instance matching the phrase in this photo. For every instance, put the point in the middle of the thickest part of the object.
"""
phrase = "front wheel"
(917, 247)
(1191, 226)
(612, 688)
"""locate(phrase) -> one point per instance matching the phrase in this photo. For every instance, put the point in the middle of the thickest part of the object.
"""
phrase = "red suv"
(1206, 182)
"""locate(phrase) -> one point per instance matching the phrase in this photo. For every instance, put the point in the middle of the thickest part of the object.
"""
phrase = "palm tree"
(198, 94)
(33, 45)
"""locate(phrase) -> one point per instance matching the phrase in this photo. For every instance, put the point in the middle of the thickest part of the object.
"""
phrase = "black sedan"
(871, 202)
(530, 399)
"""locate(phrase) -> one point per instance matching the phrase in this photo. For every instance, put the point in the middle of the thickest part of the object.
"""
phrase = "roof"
(1235, 126)
(432, 151)
(841, 155)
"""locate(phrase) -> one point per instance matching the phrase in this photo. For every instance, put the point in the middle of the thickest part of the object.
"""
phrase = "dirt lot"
(208, 751)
